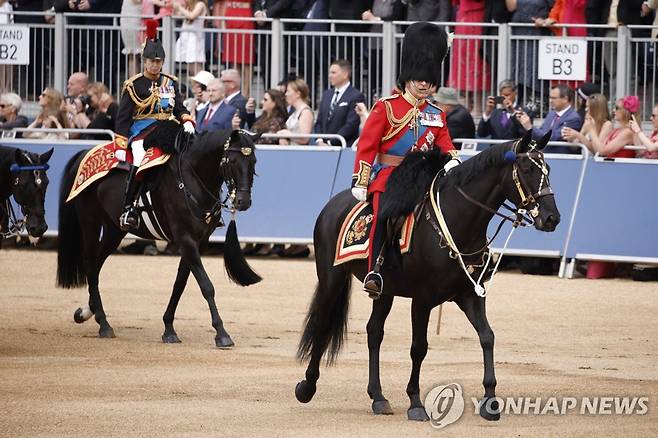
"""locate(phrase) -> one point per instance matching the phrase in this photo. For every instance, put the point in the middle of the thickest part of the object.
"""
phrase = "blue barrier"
(617, 215)
(292, 186)
(610, 217)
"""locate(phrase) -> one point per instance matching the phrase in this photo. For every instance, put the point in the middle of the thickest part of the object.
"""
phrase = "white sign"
(562, 59)
(14, 44)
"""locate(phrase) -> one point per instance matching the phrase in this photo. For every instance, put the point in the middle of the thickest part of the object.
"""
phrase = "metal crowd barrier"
(619, 60)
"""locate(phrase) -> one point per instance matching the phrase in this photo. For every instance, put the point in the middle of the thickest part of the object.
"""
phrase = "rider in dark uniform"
(146, 98)
(398, 125)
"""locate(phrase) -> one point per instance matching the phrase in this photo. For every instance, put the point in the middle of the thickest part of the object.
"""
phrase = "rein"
(218, 205)
(520, 219)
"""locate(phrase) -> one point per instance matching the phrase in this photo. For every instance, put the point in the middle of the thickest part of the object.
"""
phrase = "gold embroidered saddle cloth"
(99, 160)
(353, 239)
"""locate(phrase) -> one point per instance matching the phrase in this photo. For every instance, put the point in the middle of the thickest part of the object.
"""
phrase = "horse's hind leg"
(420, 315)
(95, 255)
(169, 336)
(475, 310)
(192, 258)
(375, 328)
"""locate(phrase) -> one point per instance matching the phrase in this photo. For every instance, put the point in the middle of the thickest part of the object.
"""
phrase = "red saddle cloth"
(99, 160)
(354, 236)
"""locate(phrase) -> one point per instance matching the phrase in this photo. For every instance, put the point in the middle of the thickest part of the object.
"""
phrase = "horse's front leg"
(190, 252)
(475, 310)
(375, 328)
(420, 315)
(170, 336)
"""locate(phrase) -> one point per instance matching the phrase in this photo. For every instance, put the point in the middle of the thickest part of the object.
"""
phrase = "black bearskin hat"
(423, 49)
(152, 46)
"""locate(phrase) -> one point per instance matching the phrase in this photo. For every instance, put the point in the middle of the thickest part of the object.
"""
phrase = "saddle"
(101, 159)
(353, 238)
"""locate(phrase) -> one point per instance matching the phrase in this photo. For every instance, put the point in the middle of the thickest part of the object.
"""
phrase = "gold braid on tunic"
(146, 108)
(410, 118)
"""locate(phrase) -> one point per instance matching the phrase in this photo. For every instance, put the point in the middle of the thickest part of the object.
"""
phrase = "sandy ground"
(554, 337)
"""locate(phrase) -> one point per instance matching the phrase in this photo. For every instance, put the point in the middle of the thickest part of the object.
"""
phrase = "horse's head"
(529, 187)
(238, 167)
(29, 183)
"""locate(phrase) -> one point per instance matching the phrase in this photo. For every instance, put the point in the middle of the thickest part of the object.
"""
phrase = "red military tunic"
(397, 125)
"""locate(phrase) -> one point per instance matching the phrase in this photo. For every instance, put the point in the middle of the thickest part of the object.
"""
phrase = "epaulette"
(129, 81)
(433, 104)
(172, 77)
(393, 96)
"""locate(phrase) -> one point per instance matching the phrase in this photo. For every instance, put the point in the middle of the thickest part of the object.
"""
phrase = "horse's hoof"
(304, 391)
(224, 342)
(490, 409)
(81, 315)
(171, 338)
(382, 407)
(417, 414)
(106, 333)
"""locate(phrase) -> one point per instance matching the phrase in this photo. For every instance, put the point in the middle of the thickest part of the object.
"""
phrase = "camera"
(499, 99)
(85, 100)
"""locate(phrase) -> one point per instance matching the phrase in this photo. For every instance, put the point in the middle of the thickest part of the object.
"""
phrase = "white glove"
(189, 127)
(451, 164)
(360, 193)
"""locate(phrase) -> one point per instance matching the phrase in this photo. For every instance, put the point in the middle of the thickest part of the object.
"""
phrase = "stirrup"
(129, 220)
(373, 284)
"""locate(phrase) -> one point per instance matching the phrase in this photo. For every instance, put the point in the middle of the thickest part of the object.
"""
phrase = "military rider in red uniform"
(147, 97)
(400, 124)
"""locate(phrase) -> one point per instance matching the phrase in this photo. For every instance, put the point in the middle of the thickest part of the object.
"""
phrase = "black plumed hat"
(423, 49)
(152, 46)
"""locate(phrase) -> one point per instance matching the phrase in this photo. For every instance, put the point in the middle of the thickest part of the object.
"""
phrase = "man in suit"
(232, 84)
(459, 120)
(498, 119)
(217, 114)
(337, 115)
(562, 115)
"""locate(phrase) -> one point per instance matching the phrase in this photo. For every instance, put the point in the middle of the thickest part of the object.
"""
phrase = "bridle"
(524, 214)
(16, 224)
(225, 167)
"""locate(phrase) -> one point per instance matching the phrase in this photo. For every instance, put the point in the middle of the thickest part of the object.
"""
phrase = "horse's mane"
(168, 132)
(493, 156)
(411, 180)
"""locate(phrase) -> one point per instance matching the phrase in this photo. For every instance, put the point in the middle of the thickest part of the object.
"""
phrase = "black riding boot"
(373, 283)
(129, 220)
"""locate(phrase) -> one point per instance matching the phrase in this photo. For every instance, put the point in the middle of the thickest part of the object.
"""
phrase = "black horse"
(23, 175)
(429, 274)
(185, 198)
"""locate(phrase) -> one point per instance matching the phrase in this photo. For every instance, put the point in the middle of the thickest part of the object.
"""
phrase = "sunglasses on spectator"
(2, 105)
(652, 115)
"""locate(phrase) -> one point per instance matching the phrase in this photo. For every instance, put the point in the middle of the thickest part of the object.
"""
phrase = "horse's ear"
(544, 140)
(235, 135)
(20, 158)
(522, 146)
(43, 158)
(255, 137)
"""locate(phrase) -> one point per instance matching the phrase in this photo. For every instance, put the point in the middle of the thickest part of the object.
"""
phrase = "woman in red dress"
(238, 40)
(468, 71)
